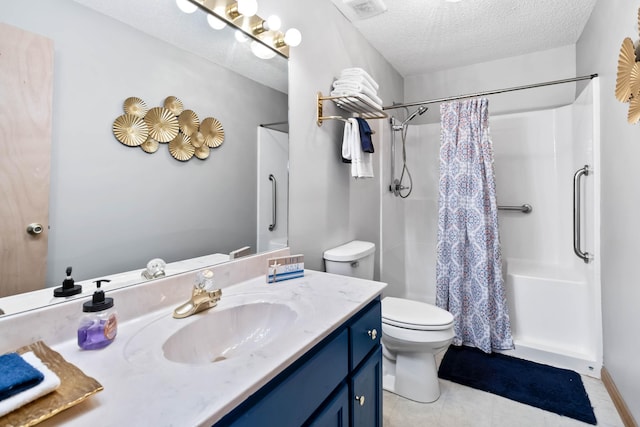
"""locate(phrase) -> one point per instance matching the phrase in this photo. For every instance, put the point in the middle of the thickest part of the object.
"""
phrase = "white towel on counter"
(360, 73)
(361, 162)
(48, 384)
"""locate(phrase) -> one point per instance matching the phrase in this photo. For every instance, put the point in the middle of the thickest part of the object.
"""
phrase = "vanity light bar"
(253, 26)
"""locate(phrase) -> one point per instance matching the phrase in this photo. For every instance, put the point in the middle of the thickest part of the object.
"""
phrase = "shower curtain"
(469, 265)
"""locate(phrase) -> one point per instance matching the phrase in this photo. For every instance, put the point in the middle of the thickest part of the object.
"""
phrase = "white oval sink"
(224, 333)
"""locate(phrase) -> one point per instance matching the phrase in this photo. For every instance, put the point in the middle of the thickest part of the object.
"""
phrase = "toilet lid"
(418, 315)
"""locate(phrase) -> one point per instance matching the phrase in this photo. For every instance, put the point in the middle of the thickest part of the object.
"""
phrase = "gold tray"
(75, 387)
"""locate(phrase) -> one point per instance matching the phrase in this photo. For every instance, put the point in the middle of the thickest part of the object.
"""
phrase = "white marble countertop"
(142, 387)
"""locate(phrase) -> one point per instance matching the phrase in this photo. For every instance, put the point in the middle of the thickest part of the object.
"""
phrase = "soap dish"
(75, 387)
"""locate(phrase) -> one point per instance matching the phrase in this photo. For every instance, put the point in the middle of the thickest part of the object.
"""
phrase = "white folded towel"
(351, 87)
(48, 384)
(361, 162)
(359, 72)
(354, 79)
(360, 95)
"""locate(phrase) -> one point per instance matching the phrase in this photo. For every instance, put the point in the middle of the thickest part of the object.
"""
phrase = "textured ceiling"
(420, 36)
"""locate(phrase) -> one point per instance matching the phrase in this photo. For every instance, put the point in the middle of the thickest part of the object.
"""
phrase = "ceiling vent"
(357, 10)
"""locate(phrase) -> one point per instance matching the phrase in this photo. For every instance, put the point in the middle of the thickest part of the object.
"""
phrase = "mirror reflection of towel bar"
(274, 202)
(526, 208)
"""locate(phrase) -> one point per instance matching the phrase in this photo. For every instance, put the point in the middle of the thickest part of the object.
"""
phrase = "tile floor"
(461, 406)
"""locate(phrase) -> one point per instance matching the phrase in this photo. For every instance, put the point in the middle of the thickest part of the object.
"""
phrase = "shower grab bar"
(274, 190)
(577, 217)
(526, 208)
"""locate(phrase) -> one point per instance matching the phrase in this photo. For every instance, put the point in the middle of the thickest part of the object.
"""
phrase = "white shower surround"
(554, 298)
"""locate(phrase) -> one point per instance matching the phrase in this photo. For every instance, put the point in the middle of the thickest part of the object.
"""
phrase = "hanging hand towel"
(361, 162)
(48, 384)
(365, 135)
(346, 143)
(17, 375)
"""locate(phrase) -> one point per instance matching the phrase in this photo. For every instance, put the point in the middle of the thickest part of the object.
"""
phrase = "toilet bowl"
(413, 332)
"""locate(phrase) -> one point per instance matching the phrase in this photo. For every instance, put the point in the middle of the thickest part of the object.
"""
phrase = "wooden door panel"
(26, 88)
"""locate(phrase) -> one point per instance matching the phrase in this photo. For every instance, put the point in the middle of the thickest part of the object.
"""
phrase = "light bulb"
(261, 51)
(241, 37)
(273, 23)
(247, 7)
(215, 22)
(186, 6)
(293, 37)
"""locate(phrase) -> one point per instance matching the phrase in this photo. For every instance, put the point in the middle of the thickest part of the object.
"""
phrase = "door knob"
(34, 229)
(360, 400)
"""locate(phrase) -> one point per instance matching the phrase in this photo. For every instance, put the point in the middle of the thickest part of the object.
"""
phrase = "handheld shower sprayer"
(397, 185)
(420, 111)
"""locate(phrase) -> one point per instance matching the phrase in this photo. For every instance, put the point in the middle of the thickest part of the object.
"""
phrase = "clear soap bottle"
(99, 324)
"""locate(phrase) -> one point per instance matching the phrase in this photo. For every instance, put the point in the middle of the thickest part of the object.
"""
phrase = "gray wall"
(114, 207)
(502, 73)
(327, 206)
(597, 51)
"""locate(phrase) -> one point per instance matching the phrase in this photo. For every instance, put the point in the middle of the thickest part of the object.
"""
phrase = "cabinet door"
(366, 393)
(364, 334)
(335, 413)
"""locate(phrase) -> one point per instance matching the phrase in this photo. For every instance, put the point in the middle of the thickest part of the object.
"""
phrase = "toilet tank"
(353, 259)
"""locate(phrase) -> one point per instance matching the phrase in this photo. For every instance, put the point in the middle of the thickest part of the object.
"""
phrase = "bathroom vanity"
(304, 351)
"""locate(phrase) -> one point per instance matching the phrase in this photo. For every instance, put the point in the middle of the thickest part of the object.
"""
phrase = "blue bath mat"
(545, 387)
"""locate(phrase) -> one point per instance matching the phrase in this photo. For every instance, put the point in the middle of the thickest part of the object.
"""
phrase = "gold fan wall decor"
(135, 106)
(130, 130)
(213, 132)
(181, 148)
(146, 128)
(163, 124)
(628, 77)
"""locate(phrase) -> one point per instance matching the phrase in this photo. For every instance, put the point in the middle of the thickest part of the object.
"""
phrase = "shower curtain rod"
(490, 92)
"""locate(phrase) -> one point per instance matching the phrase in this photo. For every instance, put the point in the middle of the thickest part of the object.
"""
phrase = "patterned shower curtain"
(469, 266)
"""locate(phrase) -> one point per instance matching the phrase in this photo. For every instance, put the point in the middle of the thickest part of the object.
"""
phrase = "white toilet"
(412, 331)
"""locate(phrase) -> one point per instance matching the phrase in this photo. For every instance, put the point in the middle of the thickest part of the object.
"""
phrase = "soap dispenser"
(68, 287)
(99, 325)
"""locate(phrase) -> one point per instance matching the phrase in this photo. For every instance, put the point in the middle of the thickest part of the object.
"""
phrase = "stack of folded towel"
(23, 379)
(357, 148)
(356, 81)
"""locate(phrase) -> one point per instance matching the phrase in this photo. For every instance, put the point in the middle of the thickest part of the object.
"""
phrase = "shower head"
(420, 111)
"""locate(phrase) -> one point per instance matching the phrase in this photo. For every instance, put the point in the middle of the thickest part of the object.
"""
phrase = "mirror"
(112, 208)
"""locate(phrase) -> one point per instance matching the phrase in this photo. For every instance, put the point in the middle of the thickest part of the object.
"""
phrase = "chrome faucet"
(203, 296)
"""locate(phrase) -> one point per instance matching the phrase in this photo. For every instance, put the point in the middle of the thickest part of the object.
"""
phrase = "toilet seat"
(416, 315)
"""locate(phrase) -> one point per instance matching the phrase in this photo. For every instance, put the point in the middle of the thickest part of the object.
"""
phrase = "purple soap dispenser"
(99, 324)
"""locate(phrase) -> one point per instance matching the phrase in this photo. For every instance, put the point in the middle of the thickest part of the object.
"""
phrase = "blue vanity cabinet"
(320, 388)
